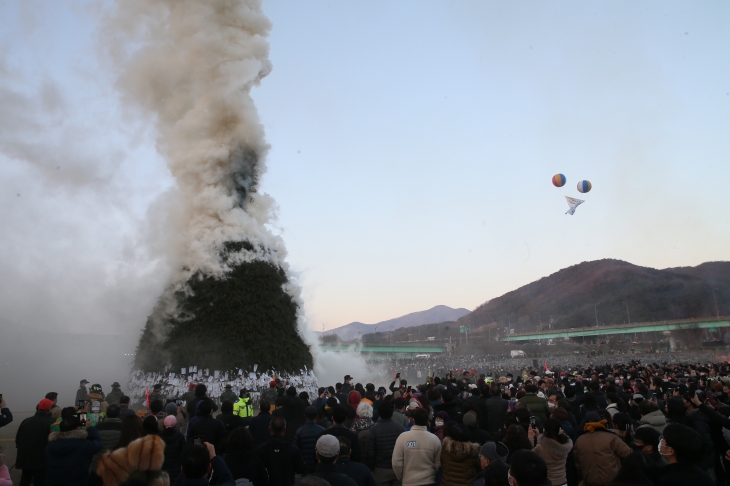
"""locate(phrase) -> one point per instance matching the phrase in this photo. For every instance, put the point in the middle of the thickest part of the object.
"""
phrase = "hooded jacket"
(656, 420)
(416, 457)
(598, 454)
(554, 454)
(69, 456)
(459, 461)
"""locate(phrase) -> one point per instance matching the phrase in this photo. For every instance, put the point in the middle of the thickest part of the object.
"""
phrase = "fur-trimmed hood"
(142, 458)
(555, 448)
(78, 434)
(458, 449)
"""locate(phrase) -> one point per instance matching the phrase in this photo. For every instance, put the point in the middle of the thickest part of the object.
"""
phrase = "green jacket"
(538, 406)
(228, 395)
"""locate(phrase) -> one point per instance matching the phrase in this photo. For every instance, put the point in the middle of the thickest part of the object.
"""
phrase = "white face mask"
(439, 423)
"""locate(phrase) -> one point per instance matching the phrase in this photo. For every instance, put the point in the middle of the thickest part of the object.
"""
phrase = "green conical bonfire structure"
(238, 321)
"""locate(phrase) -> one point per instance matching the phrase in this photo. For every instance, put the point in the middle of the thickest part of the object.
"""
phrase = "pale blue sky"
(412, 149)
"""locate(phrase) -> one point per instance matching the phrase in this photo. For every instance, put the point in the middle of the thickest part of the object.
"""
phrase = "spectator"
(206, 428)
(497, 408)
(528, 469)
(379, 445)
(598, 452)
(651, 416)
(327, 451)
(354, 470)
(31, 440)
(459, 457)
(646, 440)
(5, 416)
(399, 417)
(637, 469)
(281, 458)
(55, 409)
(553, 446)
(293, 411)
(339, 416)
(516, 439)
(492, 460)
(364, 421)
(259, 425)
(125, 411)
(109, 430)
(229, 419)
(538, 406)
(417, 453)
(174, 447)
(701, 423)
(131, 430)
(476, 435)
(198, 463)
(69, 453)
(149, 425)
(306, 439)
(4, 473)
(242, 460)
(439, 424)
(682, 447)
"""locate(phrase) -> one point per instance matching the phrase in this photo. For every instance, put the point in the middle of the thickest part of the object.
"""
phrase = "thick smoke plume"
(191, 68)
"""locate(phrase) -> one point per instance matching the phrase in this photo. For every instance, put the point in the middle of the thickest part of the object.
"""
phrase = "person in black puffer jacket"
(174, 447)
(306, 439)
(69, 453)
(242, 459)
(379, 444)
(293, 412)
(206, 427)
(497, 408)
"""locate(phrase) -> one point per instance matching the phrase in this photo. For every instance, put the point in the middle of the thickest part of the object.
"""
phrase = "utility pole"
(627, 311)
(717, 312)
(596, 311)
(509, 325)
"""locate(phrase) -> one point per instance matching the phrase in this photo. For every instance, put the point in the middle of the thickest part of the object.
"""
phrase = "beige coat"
(417, 456)
(554, 454)
(598, 455)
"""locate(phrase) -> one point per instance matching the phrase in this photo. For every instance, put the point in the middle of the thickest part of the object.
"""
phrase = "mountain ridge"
(436, 314)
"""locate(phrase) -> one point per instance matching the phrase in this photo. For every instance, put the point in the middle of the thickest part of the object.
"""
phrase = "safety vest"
(243, 408)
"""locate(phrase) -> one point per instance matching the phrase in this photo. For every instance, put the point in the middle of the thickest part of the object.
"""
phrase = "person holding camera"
(69, 452)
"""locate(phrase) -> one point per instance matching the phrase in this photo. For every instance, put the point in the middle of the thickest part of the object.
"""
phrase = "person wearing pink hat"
(31, 441)
(174, 446)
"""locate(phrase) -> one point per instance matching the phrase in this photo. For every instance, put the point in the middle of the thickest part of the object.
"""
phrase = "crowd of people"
(637, 423)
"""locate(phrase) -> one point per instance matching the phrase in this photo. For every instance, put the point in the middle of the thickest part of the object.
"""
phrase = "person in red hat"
(31, 441)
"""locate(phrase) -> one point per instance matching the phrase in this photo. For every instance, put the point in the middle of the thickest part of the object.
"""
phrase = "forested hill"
(568, 296)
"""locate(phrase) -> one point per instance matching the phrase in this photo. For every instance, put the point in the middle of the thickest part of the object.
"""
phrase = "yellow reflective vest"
(242, 407)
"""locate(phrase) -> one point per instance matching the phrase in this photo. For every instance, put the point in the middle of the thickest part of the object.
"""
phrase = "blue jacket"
(221, 472)
(306, 440)
(69, 454)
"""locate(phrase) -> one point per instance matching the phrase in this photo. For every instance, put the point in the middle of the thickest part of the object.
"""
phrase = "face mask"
(439, 424)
